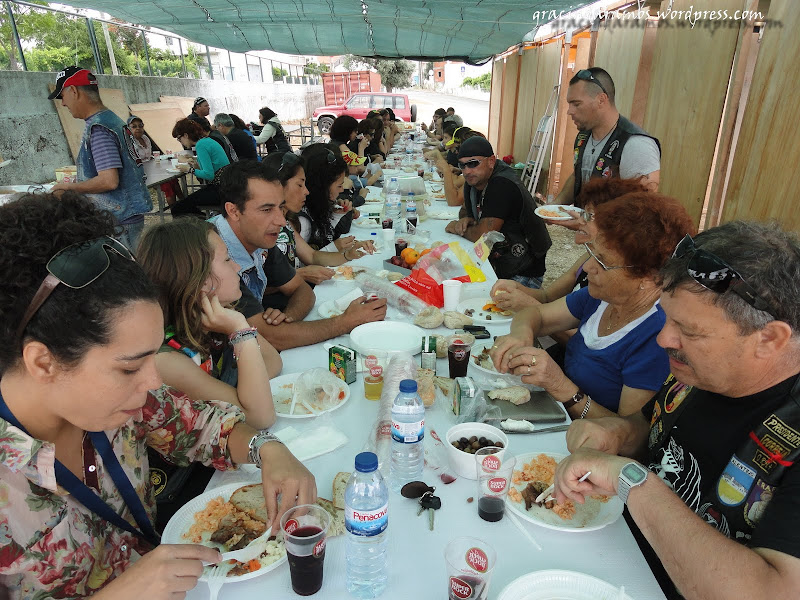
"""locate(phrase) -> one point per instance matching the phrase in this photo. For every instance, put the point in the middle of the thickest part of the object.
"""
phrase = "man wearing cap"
(496, 200)
(200, 112)
(242, 144)
(607, 144)
(713, 493)
(109, 170)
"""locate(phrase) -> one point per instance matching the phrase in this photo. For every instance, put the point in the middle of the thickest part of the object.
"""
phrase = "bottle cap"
(408, 385)
(366, 462)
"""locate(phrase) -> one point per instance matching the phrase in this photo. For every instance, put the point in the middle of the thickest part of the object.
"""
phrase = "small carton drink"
(342, 363)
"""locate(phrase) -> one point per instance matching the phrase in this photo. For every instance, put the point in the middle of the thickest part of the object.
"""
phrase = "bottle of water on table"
(366, 517)
(411, 213)
(408, 431)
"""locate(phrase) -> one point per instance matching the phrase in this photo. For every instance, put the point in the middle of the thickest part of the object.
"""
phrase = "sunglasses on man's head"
(714, 274)
(472, 164)
(75, 266)
(586, 75)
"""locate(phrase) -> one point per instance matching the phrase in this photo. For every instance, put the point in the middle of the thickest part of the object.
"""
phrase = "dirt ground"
(562, 254)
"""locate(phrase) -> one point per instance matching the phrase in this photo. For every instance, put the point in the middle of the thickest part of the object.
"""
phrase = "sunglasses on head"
(75, 266)
(290, 159)
(472, 164)
(714, 274)
(586, 75)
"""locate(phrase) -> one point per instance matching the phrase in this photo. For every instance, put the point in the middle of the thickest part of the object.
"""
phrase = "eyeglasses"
(586, 75)
(75, 266)
(604, 266)
(714, 274)
(472, 164)
(290, 159)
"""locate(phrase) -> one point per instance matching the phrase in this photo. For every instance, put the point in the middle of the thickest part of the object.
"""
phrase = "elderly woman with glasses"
(613, 364)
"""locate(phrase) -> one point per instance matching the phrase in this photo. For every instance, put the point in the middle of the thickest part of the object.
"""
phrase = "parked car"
(358, 105)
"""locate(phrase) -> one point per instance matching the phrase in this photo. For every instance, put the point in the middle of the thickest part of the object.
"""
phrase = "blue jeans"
(531, 282)
(130, 235)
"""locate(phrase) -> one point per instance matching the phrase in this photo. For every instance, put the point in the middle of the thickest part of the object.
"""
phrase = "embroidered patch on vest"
(735, 482)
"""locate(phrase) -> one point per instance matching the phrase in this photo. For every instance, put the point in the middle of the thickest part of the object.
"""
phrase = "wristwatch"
(631, 475)
(258, 440)
(579, 395)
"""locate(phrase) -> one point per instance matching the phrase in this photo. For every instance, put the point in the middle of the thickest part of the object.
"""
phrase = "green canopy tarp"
(470, 30)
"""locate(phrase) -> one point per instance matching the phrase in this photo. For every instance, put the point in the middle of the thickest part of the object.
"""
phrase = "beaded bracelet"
(242, 335)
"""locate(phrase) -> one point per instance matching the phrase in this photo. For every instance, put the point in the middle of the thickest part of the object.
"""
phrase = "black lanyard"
(83, 494)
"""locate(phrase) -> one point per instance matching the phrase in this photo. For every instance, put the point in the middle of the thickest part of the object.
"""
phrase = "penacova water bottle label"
(366, 522)
(408, 433)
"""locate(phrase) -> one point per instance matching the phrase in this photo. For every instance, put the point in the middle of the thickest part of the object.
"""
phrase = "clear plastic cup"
(470, 563)
(305, 528)
(495, 469)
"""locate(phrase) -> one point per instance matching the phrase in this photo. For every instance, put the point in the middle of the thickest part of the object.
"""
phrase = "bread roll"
(515, 394)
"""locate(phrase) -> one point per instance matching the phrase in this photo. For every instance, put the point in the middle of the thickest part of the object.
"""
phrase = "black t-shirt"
(694, 454)
(243, 144)
(452, 159)
(504, 201)
(202, 121)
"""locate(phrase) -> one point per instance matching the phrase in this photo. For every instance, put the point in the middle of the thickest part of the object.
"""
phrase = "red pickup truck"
(360, 103)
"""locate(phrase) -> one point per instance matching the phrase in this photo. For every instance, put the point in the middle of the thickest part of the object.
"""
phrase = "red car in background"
(360, 103)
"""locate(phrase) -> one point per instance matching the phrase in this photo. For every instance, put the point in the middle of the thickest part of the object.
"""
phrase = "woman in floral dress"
(81, 326)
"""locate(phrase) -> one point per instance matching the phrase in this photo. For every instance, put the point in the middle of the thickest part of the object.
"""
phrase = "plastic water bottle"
(366, 517)
(411, 213)
(394, 205)
(408, 431)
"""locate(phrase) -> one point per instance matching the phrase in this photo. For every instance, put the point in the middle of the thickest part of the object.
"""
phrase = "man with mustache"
(253, 217)
(723, 434)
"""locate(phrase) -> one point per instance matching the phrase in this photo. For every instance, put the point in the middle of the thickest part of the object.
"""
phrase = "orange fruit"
(424, 252)
(410, 255)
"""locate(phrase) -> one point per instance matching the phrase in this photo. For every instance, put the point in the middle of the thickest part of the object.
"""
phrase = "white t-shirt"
(640, 156)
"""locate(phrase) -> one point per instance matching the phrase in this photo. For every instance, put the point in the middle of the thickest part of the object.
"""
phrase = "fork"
(216, 578)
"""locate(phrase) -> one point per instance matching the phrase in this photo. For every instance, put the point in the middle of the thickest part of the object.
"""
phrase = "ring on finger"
(529, 370)
(533, 360)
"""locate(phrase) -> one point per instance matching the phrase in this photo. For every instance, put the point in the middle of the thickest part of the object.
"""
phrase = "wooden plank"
(741, 78)
(763, 181)
(529, 64)
(639, 107)
(159, 123)
(684, 105)
(113, 99)
(566, 128)
(495, 99)
(618, 52)
(508, 103)
(549, 75)
(185, 104)
(135, 108)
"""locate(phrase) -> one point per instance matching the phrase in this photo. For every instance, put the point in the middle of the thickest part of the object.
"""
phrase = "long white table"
(417, 566)
(156, 173)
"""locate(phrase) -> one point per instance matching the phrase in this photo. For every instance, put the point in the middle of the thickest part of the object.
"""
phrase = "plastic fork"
(251, 551)
(216, 578)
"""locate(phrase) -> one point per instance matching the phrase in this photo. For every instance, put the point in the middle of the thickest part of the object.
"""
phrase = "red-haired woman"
(613, 364)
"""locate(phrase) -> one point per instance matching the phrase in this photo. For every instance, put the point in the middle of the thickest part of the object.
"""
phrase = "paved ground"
(475, 113)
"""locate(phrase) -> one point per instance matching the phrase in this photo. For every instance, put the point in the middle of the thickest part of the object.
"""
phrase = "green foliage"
(55, 40)
(315, 69)
(395, 73)
(483, 82)
(278, 74)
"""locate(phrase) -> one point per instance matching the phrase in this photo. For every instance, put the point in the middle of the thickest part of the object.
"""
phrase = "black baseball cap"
(475, 146)
(198, 101)
(72, 76)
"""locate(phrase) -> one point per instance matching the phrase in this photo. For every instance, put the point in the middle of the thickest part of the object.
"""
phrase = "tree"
(483, 82)
(315, 69)
(394, 73)
(278, 74)
(31, 23)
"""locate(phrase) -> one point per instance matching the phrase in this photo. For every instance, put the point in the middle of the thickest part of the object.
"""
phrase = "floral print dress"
(51, 546)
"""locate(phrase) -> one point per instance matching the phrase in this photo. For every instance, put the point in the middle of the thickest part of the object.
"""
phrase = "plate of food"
(483, 310)
(329, 309)
(566, 585)
(226, 518)
(534, 473)
(556, 212)
(315, 396)
(368, 222)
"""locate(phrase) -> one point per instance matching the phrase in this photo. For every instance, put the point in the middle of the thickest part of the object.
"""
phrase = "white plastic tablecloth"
(417, 566)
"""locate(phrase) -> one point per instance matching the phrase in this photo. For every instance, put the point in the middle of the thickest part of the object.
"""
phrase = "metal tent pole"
(98, 61)
(16, 36)
(147, 54)
(208, 58)
(184, 73)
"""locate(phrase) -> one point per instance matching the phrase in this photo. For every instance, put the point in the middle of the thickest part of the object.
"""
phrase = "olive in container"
(463, 463)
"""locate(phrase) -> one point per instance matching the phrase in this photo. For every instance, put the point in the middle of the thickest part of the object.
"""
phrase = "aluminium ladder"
(539, 143)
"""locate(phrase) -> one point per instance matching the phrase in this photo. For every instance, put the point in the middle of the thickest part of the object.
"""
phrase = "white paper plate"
(173, 170)
(182, 520)
(564, 585)
(281, 388)
(441, 216)
(590, 516)
(329, 309)
(387, 336)
(543, 211)
(491, 376)
(367, 223)
(479, 316)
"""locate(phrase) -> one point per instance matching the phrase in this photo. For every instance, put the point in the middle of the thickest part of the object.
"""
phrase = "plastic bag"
(395, 296)
(401, 366)
(436, 457)
(317, 390)
(476, 409)
(448, 261)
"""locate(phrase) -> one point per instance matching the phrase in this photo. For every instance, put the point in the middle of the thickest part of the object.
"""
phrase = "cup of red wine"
(494, 479)
(470, 562)
(304, 530)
